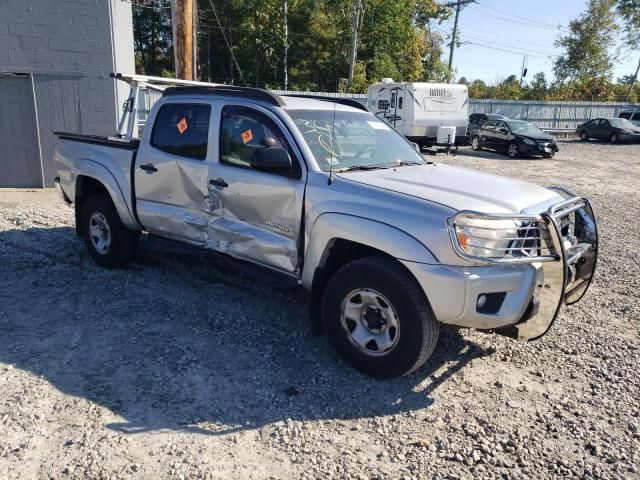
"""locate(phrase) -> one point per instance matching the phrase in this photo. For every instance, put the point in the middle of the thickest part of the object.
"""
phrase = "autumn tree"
(585, 60)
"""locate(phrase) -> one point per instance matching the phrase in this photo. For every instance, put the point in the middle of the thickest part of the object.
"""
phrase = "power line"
(502, 49)
(528, 24)
(513, 39)
(227, 42)
(532, 20)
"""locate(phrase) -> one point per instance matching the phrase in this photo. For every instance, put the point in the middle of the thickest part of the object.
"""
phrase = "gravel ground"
(186, 365)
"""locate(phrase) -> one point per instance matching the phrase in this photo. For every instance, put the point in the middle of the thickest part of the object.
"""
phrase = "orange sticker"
(182, 125)
(247, 136)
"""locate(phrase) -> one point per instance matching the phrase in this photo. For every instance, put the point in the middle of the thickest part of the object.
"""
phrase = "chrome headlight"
(484, 237)
(500, 238)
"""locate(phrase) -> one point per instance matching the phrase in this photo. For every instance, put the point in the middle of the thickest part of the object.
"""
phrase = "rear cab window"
(182, 129)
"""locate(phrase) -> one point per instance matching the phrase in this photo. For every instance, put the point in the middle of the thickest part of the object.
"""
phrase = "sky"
(501, 32)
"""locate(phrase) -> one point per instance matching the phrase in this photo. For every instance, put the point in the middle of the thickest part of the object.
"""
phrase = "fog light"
(482, 299)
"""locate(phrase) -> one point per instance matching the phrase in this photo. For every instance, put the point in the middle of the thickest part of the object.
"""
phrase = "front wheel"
(584, 137)
(378, 318)
(613, 138)
(108, 241)
(475, 143)
(512, 150)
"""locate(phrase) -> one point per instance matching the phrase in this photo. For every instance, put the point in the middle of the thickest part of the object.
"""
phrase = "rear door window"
(626, 115)
(182, 129)
(636, 117)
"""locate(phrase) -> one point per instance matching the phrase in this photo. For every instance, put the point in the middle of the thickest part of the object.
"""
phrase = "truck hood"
(457, 188)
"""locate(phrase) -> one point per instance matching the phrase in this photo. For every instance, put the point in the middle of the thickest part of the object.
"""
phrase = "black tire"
(418, 328)
(584, 136)
(548, 155)
(513, 153)
(476, 143)
(613, 138)
(123, 242)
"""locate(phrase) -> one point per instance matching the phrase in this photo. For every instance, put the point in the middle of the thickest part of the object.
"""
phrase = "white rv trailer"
(417, 109)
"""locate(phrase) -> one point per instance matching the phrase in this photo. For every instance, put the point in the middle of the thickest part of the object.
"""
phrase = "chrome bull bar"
(565, 268)
(567, 279)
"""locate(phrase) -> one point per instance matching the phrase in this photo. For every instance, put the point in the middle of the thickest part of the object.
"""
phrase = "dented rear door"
(256, 215)
(171, 173)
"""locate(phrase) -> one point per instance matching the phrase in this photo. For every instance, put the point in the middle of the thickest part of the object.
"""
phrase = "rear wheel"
(512, 150)
(108, 241)
(378, 318)
(613, 138)
(584, 137)
(476, 144)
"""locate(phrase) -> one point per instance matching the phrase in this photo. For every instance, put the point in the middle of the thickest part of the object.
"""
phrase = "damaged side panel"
(256, 217)
(172, 201)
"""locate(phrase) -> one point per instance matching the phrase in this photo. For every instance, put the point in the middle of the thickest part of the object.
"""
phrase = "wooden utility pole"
(183, 38)
(354, 41)
(286, 45)
(459, 4)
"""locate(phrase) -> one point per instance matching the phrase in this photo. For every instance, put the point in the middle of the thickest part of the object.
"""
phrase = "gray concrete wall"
(69, 47)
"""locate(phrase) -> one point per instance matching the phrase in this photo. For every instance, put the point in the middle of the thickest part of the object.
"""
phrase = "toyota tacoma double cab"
(389, 244)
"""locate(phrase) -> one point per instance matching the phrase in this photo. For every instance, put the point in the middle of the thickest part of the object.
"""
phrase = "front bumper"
(532, 291)
(540, 148)
(453, 292)
(61, 194)
(629, 137)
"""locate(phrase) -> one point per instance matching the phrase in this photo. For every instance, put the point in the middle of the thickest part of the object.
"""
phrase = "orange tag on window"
(247, 136)
(182, 125)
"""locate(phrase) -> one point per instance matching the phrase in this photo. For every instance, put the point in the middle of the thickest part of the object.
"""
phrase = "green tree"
(629, 10)
(508, 89)
(538, 88)
(585, 55)
(152, 38)
(478, 89)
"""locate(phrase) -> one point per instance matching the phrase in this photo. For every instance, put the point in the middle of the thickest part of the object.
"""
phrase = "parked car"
(632, 115)
(327, 194)
(476, 120)
(515, 138)
(612, 129)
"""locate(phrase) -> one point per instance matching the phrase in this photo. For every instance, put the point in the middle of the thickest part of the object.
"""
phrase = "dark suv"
(476, 120)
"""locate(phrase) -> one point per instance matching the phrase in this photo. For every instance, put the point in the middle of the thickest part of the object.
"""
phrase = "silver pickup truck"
(389, 244)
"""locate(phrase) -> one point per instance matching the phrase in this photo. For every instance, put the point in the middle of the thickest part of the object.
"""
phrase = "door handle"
(218, 182)
(148, 167)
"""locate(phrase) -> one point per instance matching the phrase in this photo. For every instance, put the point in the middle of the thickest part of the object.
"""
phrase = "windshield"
(354, 139)
(621, 123)
(524, 128)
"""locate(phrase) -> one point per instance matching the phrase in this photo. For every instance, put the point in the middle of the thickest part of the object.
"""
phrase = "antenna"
(333, 129)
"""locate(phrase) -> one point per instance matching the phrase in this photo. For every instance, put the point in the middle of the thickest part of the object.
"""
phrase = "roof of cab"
(293, 101)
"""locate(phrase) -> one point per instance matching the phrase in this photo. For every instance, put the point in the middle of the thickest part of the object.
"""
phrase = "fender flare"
(90, 168)
(331, 226)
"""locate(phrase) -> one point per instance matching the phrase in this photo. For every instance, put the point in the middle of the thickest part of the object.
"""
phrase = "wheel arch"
(338, 239)
(93, 178)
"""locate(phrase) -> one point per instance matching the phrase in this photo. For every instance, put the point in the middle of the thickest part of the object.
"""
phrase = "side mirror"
(271, 159)
(416, 146)
(503, 130)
